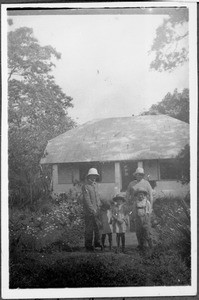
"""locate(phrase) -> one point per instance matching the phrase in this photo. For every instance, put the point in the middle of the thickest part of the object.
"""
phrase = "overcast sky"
(105, 62)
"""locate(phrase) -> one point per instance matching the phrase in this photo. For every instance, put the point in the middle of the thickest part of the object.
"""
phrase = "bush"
(58, 225)
(173, 225)
(61, 227)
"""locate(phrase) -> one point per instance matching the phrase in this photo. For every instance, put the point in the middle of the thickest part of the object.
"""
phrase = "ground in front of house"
(76, 269)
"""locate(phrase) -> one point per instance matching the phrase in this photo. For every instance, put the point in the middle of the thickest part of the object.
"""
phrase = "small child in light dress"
(119, 220)
(107, 227)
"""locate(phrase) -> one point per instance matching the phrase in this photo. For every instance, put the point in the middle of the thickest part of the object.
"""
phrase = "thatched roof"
(116, 139)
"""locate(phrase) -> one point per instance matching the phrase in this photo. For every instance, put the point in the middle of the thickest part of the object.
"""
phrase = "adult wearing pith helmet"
(139, 182)
(91, 204)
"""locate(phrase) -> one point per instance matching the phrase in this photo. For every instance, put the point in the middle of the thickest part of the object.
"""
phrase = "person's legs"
(142, 240)
(88, 232)
(147, 230)
(103, 239)
(123, 241)
(97, 235)
(110, 240)
(139, 233)
(118, 240)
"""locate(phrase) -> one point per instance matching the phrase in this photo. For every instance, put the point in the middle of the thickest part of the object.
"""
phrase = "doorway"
(127, 170)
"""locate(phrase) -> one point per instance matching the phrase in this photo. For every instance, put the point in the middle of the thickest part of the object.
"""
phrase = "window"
(168, 169)
(65, 174)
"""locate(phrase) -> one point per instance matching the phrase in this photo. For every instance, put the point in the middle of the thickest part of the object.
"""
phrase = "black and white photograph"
(99, 156)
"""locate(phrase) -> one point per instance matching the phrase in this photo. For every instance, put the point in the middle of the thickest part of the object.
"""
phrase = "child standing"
(119, 220)
(107, 227)
(142, 218)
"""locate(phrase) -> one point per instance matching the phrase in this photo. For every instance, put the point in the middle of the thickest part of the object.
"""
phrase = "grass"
(99, 269)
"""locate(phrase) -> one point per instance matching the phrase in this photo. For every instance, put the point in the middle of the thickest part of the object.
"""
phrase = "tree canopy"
(175, 105)
(170, 46)
(37, 107)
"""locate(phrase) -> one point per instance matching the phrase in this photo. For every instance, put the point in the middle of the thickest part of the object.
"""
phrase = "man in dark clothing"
(91, 203)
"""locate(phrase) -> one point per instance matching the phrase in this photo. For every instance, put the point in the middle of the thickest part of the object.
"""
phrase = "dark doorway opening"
(127, 170)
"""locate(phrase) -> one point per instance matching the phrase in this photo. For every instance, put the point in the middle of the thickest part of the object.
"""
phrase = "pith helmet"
(139, 171)
(140, 190)
(119, 197)
(93, 171)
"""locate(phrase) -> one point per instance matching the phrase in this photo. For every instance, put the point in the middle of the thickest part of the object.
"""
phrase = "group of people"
(103, 218)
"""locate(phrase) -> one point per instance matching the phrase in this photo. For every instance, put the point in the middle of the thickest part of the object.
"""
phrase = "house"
(116, 147)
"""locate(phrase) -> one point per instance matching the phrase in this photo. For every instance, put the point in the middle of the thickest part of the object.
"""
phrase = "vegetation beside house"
(46, 249)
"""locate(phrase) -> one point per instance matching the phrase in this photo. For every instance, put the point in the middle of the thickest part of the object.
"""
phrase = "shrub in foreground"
(169, 263)
(173, 225)
(59, 226)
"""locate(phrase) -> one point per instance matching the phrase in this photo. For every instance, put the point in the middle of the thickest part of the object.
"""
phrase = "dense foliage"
(52, 264)
(170, 46)
(173, 226)
(54, 224)
(37, 112)
(175, 105)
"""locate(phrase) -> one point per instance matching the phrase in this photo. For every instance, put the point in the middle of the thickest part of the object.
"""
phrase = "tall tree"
(175, 105)
(170, 46)
(37, 108)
